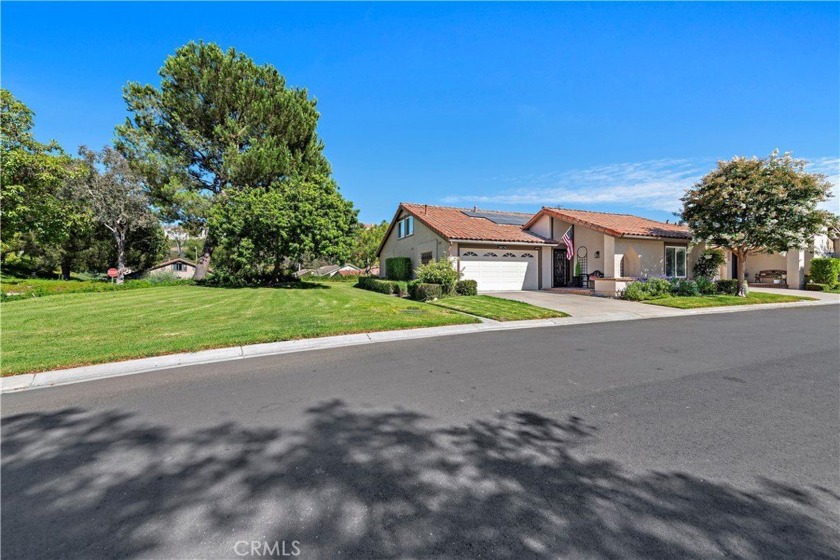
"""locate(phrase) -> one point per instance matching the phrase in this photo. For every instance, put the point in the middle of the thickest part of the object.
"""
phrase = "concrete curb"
(131, 367)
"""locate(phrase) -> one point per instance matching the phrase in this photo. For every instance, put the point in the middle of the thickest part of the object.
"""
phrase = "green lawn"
(694, 302)
(76, 329)
(497, 308)
(26, 288)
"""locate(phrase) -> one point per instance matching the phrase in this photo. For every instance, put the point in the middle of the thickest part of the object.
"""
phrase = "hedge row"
(398, 268)
(652, 288)
(390, 287)
(415, 289)
(419, 291)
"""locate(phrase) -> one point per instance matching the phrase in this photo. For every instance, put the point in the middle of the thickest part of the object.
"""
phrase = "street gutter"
(52, 378)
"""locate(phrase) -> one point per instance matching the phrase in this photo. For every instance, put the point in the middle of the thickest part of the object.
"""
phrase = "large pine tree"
(217, 125)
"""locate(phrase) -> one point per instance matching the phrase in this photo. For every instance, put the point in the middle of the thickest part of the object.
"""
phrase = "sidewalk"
(596, 310)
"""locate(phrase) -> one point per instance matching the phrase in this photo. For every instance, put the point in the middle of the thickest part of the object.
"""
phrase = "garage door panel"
(516, 271)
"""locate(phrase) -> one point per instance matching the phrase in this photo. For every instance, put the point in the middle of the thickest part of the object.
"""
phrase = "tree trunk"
(120, 239)
(65, 267)
(743, 289)
(204, 260)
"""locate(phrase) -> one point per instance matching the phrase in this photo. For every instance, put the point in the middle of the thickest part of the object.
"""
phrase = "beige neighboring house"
(330, 270)
(785, 269)
(505, 251)
(180, 267)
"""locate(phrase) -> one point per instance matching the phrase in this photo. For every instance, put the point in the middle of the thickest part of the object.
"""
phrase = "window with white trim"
(527, 256)
(405, 227)
(508, 255)
(470, 254)
(675, 261)
(490, 255)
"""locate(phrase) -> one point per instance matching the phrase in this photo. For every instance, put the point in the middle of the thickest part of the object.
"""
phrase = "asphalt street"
(691, 437)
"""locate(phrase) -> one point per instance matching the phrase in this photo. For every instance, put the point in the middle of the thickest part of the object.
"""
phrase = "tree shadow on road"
(362, 484)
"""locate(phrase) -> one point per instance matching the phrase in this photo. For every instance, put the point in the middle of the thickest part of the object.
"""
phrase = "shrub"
(427, 292)
(466, 287)
(412, 288)
(817, 287)
(706, 286)
(642, 290)
(399, 288)
(686, 288)
(439, 272)
(825, 270)
(708, 263)
(658, 287)
(636, 292)
(162, 277)
(729, 287)
(375, 284)
(398, 268)
(364, 282)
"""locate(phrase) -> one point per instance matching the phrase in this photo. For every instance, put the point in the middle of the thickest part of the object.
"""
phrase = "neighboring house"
(517, 251)
(330, 270)
(180, 267)
(787, 268)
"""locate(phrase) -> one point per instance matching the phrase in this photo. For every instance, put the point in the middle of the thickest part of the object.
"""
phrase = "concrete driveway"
(587, 306)
(609, 308)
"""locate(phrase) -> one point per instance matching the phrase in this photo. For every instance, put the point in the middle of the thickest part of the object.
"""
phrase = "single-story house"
(554, 248)
(179, 267)
(787, 268)
(330, 270)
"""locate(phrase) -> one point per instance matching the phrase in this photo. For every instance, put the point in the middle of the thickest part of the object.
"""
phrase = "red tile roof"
(453, 223)
(617, 225)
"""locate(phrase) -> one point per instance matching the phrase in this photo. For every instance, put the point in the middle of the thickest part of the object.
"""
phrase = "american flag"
(570, 244)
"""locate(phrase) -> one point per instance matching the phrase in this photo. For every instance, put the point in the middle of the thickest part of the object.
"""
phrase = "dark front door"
(562, 273)
(734, 267)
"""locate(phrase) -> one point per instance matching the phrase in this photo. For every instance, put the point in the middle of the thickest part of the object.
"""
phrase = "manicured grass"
(76, 329)
(25, 288)
(694, 302)
(497, 308)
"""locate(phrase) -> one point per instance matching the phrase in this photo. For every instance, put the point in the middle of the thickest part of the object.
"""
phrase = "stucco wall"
(188, 271)
(764, 261)
(423, 240)
(643, 257)
(542, 227)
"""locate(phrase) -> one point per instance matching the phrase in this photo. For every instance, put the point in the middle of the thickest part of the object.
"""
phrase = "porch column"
(609, 257)
(796, 268)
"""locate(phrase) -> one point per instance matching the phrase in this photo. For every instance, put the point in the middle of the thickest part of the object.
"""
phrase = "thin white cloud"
(653, 185)
(830, 167)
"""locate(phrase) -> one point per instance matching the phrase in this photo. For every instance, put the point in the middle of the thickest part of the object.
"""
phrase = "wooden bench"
(771, 278)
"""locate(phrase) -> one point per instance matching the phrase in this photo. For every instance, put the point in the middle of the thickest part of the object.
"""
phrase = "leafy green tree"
(263, 231)
(755, 205)
(708, 263)
(145, 246)
(365, 244)
(114, 193)
(36, 211)
(218, 124)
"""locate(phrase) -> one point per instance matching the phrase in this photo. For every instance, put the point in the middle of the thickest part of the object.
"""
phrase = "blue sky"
(614, 107)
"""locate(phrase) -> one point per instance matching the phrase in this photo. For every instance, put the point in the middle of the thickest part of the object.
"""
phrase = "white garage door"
(500, 270)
